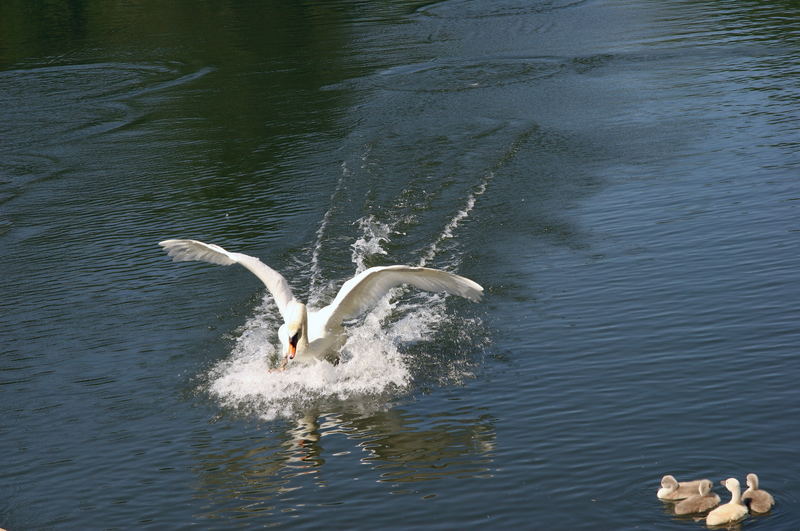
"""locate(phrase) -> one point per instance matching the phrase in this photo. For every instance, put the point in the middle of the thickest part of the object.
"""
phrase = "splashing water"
(373, 368)
(375, 234)
(372, 365)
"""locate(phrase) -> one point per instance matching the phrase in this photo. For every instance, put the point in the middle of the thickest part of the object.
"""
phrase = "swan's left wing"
(365, 289)
(186, 250)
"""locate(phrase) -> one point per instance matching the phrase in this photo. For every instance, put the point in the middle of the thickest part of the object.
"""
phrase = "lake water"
(622, 177)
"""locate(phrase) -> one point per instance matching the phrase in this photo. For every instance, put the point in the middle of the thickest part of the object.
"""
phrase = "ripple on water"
(456, 75)
(460, 9)
(50, 110)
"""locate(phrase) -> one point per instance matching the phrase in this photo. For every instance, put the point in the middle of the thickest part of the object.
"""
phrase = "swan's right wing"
(365, 289)
(188, 250)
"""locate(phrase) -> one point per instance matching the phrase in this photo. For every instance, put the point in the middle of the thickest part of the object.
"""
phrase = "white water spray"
(373, 366)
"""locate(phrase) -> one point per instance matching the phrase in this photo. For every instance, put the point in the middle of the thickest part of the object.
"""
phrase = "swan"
(307, 335)
(672, 490)
(759, 501)
(703, 501)
(730, 512)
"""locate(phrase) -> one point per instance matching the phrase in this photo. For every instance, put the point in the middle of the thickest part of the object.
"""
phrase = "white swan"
(306, 334)
(730, 512)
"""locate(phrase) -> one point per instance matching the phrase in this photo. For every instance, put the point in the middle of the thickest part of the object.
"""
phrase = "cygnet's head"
(704, 487)
(731, 484)
(669, 482)
(752, 481)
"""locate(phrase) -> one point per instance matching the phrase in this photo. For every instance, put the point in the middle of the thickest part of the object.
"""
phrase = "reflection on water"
(285, 470)
(461, 448)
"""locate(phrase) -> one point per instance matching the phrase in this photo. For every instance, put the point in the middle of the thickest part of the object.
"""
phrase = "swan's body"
(307, 335)
(672, 490)
(758, 500)
(730, 512)
(703, 500)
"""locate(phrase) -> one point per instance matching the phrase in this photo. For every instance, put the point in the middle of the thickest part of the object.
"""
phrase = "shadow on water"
(405, 454)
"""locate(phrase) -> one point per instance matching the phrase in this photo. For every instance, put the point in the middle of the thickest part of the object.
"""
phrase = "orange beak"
(292, 350)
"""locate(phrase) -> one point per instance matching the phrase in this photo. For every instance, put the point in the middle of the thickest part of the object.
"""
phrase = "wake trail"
(456, 220)
(478, 190)
(317, 285)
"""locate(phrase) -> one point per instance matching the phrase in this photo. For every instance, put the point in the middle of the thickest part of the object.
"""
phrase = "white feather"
(368, 287)
(189, 250)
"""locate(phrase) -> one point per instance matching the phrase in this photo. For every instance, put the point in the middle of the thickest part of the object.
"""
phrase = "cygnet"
(672, 490)
(730, 512)
(759, 501)
(703, 501)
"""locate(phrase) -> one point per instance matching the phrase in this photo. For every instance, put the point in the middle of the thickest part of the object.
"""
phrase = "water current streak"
(316, 287)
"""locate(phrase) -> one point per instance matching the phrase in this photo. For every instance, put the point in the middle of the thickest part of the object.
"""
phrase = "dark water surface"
(622, 177)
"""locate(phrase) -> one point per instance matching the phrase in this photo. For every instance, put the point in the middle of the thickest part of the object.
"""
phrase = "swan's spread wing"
(188, 250)
(365, 289)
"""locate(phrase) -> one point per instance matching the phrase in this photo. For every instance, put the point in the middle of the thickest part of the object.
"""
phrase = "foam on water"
(374, 368)
(375, 234)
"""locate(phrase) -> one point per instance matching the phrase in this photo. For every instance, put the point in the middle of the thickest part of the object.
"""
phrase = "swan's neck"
(302, 343)
(297, 323)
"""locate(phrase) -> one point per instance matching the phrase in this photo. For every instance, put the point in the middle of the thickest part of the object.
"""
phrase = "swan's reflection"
(269, 475)
(403, 453)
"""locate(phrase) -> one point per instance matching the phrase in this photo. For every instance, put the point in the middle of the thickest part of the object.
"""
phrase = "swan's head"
(752, 481)
(704, 487)
(296, 327)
